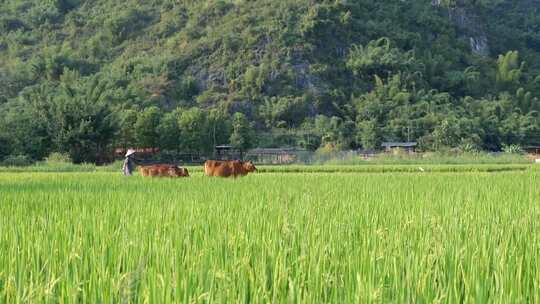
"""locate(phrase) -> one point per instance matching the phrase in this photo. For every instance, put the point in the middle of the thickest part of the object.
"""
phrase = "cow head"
(184, 172)
(172, 171)
(178, 171)
(249, 166)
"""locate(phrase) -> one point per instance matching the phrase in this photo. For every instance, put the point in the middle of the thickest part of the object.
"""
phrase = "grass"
(63, 167)
(372, 168)
(346, 162)
(430, 158)
(283, 238)
(393, 168)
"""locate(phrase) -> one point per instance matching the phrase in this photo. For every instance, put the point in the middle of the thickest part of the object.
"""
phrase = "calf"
(163, 171)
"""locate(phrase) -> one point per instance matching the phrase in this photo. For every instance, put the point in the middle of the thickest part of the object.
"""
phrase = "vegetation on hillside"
(82, 77)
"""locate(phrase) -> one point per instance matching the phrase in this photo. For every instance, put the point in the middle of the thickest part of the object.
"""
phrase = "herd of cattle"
(232, 168)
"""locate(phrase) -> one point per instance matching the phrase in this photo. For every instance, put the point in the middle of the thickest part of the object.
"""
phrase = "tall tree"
(146, 127)
(368, 135)
(127, 136)
(242, 132)
(170, 132)
(195, 135)
(509, 70)
(82, 121)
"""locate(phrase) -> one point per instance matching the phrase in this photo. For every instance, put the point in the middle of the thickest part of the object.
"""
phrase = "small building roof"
(138, 150)
(223, 147)
(284, 150)
(399, 144)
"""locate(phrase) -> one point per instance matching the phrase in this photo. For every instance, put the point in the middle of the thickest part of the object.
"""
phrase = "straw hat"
(130, 152)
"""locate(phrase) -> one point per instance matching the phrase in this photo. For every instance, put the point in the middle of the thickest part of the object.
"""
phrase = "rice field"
(355, 237)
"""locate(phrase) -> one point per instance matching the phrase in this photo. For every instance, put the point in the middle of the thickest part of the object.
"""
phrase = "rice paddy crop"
(280, 238)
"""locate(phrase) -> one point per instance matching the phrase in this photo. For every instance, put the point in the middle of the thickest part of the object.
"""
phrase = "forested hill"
(83, 77)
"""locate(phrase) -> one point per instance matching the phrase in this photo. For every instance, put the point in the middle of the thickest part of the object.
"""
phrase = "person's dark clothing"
(128, 166)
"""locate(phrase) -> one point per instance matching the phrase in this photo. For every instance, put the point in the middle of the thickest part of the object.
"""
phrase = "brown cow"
(228, 168)
(163, 171)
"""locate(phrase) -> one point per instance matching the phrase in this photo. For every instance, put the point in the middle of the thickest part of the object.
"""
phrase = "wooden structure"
(226, 152)
(409, 147)
(121, 152)
(272, 155)
(143, 155)
(532, 152)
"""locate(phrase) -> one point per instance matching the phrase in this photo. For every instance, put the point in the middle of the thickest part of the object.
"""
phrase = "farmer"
(129, 163)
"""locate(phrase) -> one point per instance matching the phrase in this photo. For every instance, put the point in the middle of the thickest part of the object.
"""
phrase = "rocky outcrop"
(468, 21)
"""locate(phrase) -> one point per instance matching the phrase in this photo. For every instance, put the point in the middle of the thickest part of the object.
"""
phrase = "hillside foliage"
(83, 77)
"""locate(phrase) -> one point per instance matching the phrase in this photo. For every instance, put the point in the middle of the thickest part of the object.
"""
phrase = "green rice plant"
(283, 238)
(384, 168)
(391, 168)
(434, 158)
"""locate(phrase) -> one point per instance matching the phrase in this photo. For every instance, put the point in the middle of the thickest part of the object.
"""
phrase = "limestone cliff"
(468, 21)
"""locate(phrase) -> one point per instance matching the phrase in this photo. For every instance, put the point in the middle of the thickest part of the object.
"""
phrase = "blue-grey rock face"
(468, 22)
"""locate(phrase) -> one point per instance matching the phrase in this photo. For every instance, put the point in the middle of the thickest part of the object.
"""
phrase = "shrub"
(58, 158)
(326, 149)
(16, 161)
(512, 149)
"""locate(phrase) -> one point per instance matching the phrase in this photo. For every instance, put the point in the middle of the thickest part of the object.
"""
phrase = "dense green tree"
(4, 147)
(195, 135)
(127, 136)
(445, 135)
(126, 21)
(378, 57)
(218, 127)
(284, 111)
(242, 133)
(509, 70)
(74, 117)
(25, 123)
(147, 127)
(83, 122)
(334, 131)
(368, 136)
(170, 132)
